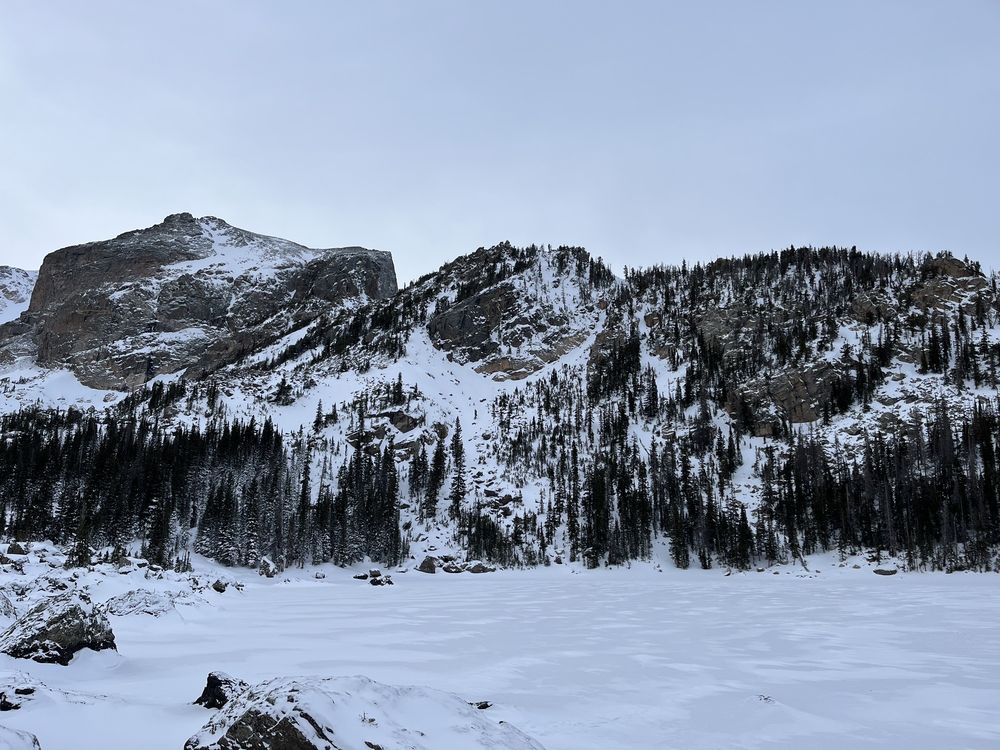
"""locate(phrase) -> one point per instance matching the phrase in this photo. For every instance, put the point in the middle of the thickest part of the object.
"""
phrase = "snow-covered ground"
(609, 660)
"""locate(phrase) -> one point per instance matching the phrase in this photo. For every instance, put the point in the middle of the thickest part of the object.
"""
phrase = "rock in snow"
(352, 713)
(13, 739)
(56, 628)
(220, 688)
(145, 602)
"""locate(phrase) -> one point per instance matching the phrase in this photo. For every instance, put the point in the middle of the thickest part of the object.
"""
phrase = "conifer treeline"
(236, 490)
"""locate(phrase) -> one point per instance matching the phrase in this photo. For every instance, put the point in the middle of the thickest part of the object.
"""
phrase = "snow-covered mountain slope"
(527, 406)
(15, 292)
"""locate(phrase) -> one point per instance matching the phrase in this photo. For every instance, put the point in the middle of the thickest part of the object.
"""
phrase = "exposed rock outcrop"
(352, 713)
(510, 320)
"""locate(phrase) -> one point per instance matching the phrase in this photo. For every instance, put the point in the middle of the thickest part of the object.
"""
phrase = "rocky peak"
(188, 294)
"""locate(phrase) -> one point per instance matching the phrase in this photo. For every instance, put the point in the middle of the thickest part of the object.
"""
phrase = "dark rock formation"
(220, 688)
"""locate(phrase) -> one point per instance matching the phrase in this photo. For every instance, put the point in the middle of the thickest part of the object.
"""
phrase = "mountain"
(15, 291)
(267, 405)
(187, 294)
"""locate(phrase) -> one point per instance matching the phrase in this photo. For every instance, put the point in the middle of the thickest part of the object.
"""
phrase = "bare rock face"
(352, 713)
(56, 628)
(511, 312)
(797, 394)
(188, 295)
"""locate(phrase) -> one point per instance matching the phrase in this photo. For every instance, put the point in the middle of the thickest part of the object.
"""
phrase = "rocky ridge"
(537, 353)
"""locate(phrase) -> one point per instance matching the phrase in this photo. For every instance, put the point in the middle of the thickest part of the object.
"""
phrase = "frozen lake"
(609, 660)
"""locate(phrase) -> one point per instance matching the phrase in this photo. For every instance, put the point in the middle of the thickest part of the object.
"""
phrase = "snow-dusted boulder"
(267, 568)
(139, 602)
(352, 713)
(220, 688)
(56, 628)
(14, 739)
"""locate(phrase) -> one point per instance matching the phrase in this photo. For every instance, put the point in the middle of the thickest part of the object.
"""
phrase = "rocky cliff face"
(509, 313)
(185, 295)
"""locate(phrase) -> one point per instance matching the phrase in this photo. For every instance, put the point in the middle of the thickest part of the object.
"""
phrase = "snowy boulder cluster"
(375, 578)
(448, 564)
(352, 713)
(56, 628)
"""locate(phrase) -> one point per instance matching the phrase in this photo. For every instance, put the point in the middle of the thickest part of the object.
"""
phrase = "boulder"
(15, 739)
(17, 548)
(139, 602)
(56, 628)
(267, 568)
(220, 688)
(402, 421)
(478, 567)
(352, 713)
(8, 705)
(220, 586)
(428, 565)
(885, 571)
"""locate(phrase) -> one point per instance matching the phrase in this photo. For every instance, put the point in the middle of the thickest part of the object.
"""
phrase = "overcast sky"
(647, 132)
